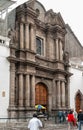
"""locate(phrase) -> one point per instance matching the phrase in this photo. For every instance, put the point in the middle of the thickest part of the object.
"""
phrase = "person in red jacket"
(71, 120)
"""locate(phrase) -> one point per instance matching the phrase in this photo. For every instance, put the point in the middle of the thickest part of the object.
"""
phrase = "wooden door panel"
(78, 102)
(40, 94)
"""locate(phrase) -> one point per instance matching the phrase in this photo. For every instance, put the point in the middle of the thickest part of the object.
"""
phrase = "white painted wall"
(4, 78)
(76, 83)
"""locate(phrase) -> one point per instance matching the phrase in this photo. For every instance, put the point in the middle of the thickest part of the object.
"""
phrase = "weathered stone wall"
(72, 44)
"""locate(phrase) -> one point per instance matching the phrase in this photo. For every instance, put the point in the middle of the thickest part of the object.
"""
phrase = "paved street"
(48, 125)
(52, 126)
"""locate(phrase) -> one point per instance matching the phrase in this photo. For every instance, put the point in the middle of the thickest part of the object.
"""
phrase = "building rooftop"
(4, 4)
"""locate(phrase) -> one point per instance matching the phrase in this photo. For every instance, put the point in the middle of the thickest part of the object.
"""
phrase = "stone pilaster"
(21, 36)
(56, 50)
(17, 33)
(26, 36)
(33, 91)
(21, 90)
(61, 52)
(48, 46)
(63, 93)
(27, 90)
(33, 38)
(68, 93)
(12, 85)
(49, 101)
(58, 95)
(54, 93)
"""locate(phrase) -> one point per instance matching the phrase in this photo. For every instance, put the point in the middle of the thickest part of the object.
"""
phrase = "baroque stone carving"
(11, 35)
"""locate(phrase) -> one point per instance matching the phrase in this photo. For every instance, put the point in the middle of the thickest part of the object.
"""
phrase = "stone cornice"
(11, 59)
(59, 29)
(48, 60)
(56, 30)
(44, 76)
(37, 66)
(26, 12)
(40, 25)
(53, 71)
(29, 11)
(13, 46)
(20, 11)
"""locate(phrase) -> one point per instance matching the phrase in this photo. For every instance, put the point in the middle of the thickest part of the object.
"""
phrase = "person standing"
(75, 115)
(60, 116)
(71, 120)
(80, 119)
(35, 123)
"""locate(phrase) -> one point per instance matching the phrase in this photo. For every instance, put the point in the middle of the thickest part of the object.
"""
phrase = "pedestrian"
(64, 116)
(71, 120)
(75, 116)
(60, 116)
(35, 123)
(74, 113)
(80, 119)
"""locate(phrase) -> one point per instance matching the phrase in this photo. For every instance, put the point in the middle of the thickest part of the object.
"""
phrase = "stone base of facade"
(55, 111)
(20, 113)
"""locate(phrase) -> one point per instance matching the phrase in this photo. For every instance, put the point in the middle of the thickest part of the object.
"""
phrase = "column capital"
(22, 18)
(26, 23)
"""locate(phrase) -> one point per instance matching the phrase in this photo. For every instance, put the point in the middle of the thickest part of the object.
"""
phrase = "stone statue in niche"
(66, 57)
(11, 35)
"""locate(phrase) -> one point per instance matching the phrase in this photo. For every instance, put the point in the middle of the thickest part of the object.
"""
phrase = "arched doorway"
(41, 94)
(78, 102)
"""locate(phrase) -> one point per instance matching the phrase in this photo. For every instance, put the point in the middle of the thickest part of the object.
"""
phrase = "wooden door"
(41, 94)
(78, 102)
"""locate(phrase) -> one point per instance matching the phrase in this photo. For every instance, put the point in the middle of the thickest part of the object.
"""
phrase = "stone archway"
(41, 94)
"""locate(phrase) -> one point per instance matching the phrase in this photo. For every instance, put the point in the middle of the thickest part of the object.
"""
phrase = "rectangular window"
(39, 46)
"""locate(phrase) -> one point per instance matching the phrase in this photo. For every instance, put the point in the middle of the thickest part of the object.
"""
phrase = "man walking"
(34, 123)
(80, 119)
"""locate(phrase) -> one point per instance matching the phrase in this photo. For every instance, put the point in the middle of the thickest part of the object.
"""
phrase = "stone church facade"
(39, 66)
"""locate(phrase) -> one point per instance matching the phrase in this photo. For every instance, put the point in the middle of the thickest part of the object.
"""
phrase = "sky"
(70, 10)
